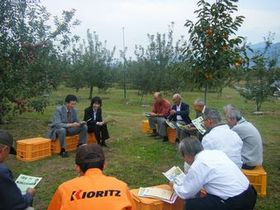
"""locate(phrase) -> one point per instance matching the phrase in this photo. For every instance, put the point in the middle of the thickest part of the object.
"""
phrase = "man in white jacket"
(226, 186)
(220, 137)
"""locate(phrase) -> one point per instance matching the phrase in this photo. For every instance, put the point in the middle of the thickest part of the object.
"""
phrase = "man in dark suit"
(95, 123)
(179, 113)
(66, 122)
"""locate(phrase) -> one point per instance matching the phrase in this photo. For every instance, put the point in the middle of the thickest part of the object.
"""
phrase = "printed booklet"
(24, 181)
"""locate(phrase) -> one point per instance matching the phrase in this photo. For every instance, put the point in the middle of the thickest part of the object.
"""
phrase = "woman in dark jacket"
(93, 117)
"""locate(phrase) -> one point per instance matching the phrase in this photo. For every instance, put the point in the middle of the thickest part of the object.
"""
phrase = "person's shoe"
(165, 139)
(154, 134)
(64, 154)
(157, 137)
(103, 144)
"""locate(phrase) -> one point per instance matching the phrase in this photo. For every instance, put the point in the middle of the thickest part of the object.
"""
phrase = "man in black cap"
(10, 194)
(92, 190)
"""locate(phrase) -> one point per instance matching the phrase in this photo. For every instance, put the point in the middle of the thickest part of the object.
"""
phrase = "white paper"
(24, 182)
(170, 124)
(158, 193)
(198, 123)
(175, 174)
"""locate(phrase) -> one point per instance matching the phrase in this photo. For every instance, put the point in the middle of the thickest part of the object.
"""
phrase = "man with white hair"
(199, 107)
(226, 186)
(179, 113)
(220, 137)
(252, 150)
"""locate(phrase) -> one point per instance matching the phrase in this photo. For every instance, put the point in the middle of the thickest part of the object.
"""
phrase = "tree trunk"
(90, 91)
(205, 93)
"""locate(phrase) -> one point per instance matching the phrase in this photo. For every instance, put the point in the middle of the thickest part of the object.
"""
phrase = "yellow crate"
(71, 143)
(33, 149)
(145, 127)
(91, 139)
(155, 204)
(257, 178)
(171, 135)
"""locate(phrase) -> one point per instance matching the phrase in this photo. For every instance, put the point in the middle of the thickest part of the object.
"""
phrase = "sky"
(142, 17)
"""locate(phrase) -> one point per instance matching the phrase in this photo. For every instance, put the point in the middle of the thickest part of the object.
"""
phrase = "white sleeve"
(206, 143)
(193, 182)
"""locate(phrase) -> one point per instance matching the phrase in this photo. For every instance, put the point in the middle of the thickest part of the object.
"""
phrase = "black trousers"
(243, 201)
(101, 132)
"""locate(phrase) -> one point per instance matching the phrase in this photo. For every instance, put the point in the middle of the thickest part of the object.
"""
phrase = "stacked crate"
(33, 149)
(71, 143)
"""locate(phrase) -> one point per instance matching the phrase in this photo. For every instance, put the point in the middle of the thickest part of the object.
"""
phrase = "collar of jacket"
(93, 171)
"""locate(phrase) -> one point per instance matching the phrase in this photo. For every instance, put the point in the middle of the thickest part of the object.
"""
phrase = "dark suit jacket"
(184, 112)
(89, 114)
(60, 120)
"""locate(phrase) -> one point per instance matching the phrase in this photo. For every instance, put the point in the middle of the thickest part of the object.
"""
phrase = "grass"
(132, 156)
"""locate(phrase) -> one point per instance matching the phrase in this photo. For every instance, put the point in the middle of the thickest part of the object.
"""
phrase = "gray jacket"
(252, 150)
(60, 120)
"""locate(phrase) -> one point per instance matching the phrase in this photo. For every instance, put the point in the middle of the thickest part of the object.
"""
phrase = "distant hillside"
(273, 52)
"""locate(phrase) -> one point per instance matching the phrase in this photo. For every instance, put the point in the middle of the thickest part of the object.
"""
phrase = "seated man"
(252, 150)
(179, 113)
(199, 107)
(66, 122)
(10, 194)
(93, 117)
(220, 137)
(92, 189)
(160, 112)
(226, 186)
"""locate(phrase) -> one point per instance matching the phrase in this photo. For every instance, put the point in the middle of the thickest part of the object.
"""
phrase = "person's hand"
(153, 114)
(100, 123)
(172, 112)
(31, 191)
(171, 184)
(74, 125)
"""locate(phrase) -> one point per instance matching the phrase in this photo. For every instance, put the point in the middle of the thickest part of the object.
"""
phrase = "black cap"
(89, 153)
(7, 139)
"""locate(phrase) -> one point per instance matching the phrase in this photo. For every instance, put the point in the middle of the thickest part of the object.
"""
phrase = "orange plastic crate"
(33, 149)
(145, 127)
(155, 204)
(91, 138)
(71, 143)
(257, 178)
(171, 135)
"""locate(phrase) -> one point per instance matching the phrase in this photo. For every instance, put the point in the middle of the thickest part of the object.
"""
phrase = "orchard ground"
(132, 156)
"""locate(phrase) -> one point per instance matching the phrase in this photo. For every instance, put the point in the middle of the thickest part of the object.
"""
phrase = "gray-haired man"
(252, 150)
(226, 186)
(220, 137)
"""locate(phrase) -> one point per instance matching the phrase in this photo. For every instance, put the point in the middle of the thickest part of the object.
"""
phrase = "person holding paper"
(93, 117)
(160, 111)
(10, 194)
(66, 123)
(92, 190)
(226, 186)
(252, 150)
(179, 114)
(220, 137)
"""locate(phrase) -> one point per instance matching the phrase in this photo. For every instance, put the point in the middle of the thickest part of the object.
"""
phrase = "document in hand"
(170, 124)
(198, 123)
(147, 114)
(175, 174)
(158, 193)
(24, 181)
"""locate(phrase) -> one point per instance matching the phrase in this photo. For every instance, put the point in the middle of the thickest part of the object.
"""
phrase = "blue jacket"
(184, 112)
(10, 195)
